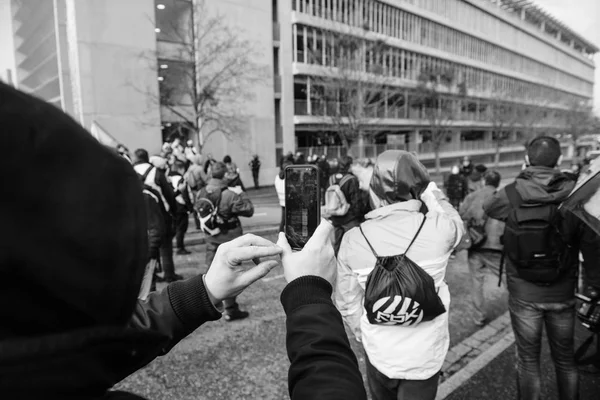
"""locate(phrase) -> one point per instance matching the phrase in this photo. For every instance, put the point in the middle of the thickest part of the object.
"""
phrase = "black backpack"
(532, 240)
(399, 292)
(207, 208)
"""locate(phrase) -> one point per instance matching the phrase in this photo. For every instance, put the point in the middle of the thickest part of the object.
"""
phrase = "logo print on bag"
(397, 311)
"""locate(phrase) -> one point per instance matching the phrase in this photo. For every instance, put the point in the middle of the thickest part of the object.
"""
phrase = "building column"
(414, 139)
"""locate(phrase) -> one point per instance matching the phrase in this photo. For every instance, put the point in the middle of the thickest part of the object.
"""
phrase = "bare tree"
(503, 116)
(355, 88)
(438, 94)
(580, 120)
(209, 90)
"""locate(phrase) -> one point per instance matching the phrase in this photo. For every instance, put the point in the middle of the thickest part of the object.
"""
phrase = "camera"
(588, 311)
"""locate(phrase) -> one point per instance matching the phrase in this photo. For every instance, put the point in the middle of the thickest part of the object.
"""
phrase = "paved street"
(247, 359)
(497, 380)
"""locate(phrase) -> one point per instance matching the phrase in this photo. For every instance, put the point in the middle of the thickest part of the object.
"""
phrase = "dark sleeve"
(323, 365)
(167, 189)
(174, 312)
(498, 206)
(156, 226)
(241, 205)
(351, 190)
(580, 236)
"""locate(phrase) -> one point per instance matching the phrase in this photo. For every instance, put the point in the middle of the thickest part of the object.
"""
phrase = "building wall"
(253, 19)
(7, 55)
(112, 48)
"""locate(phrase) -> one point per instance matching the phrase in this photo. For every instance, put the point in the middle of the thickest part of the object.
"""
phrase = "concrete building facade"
(108, 62)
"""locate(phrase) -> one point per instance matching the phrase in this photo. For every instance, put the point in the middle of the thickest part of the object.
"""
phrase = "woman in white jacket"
(403, 362)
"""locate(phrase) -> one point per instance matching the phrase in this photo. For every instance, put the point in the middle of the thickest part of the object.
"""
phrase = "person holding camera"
(73, 325)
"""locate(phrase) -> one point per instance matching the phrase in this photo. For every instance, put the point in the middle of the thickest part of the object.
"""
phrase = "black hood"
(73, 241)
(399, 176)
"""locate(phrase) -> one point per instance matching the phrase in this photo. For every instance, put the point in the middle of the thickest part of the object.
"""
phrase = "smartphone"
(302, 204)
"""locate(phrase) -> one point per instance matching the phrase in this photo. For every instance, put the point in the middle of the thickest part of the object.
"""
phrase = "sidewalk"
(492, 373)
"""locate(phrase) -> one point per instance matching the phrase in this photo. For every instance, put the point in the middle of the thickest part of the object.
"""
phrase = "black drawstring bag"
(399, 292)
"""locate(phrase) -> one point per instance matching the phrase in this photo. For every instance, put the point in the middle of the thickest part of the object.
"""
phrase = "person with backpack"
(343, 201)
(219, 207)
(541, 248)
(391, 288)
(485, 251)
(156, 235)
(156, 178)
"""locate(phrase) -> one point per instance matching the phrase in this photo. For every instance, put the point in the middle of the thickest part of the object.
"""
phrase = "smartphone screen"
(302, 204)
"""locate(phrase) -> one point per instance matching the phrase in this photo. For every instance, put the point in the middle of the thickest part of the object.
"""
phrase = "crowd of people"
(81, 314)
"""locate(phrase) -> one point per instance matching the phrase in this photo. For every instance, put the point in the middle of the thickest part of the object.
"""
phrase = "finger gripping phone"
(302, 204)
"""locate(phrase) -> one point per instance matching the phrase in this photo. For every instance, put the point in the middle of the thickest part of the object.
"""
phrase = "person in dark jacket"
(234, 203)
(486, 257)
(157, 179)
(156, 235)
(74, 327)
(456, 186)
(352, 193)
(184, 205)
(532, 306)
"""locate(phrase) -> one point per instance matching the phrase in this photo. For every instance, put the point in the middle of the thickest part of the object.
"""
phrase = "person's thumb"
(258, 272)
(283, 243)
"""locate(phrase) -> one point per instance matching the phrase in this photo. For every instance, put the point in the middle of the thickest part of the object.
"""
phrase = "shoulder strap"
(513, 195)
(417, 234)
(345, 179)
(150, 168)
(369, 243)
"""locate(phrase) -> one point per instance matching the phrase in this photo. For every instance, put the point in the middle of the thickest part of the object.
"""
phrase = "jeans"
(181, 226)
(482, 262)
(528, 320)
(384, 388)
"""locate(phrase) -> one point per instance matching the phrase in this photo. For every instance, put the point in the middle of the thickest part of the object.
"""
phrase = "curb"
(200, 239)
(472, 354)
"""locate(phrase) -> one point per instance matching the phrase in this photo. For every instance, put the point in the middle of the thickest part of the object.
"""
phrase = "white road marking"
(260, 214)
(467, 372)
(272, 278)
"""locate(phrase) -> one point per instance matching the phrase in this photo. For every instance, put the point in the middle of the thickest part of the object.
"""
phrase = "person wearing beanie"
(350, 187)
(232, 204)
(72, 326)
(196, 179)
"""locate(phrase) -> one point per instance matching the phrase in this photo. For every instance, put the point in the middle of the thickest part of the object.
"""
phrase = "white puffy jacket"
(415, 352)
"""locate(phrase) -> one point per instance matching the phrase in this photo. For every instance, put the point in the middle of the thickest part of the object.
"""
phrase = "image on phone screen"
(302, 204)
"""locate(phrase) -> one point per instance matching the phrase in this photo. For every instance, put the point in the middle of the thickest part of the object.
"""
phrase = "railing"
(424, 149)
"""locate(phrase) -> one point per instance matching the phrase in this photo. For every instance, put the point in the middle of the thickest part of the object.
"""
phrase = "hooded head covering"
(398, 176)
(73, 238)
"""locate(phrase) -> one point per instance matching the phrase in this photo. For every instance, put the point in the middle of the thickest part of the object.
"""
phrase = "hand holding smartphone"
(302, 204)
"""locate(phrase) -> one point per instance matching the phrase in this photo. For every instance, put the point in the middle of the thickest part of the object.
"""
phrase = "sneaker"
(235, 314)
(183, 252)
(173, 278)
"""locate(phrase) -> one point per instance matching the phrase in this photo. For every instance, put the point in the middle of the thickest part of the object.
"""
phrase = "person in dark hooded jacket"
(72, 326)
(532, 306)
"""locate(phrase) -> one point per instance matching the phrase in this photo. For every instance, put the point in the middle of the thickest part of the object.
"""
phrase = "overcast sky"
(583, 16)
